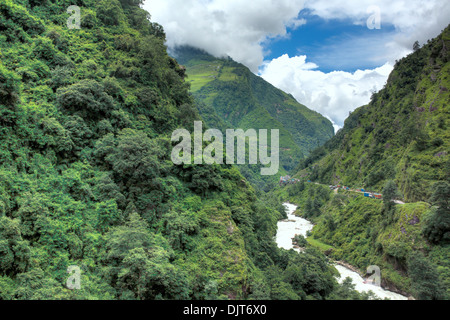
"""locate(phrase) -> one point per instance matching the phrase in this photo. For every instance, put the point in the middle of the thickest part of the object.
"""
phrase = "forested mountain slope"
(402, 134)
(398, 146)
(86, 180)
(231, 96)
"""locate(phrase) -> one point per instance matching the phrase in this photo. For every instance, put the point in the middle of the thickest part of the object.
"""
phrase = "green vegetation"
(437, 227)
(231, 96)
(402, 135)
(355, 229)
(86, 178)
(397, 145)
(425, 282)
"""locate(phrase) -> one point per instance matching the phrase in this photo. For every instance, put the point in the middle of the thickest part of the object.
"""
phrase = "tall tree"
(424, 278)
(390, 192)
(437, 226)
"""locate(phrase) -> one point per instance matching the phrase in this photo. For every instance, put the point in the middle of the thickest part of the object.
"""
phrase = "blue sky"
(332, 44)
(320, 51)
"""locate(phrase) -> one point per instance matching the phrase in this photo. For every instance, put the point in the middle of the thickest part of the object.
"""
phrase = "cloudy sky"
(329, 54)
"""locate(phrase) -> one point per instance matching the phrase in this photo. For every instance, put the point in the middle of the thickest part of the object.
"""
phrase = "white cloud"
(226, 27)
(240, 29)
(333, 94)
(413, 19)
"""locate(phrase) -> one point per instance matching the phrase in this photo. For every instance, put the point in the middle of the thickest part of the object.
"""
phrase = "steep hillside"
(401, 135)
(86, 180)
(399, 146)
(228, 91)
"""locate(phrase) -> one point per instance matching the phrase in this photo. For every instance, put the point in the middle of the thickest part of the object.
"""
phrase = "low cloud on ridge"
(240, 29)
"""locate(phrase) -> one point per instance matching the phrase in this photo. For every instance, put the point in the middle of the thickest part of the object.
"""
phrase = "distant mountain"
(401, 135)
(231, 96)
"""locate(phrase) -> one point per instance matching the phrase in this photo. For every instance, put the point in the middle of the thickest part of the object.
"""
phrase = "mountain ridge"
(265, 93)
(398, 146)
(231, 96)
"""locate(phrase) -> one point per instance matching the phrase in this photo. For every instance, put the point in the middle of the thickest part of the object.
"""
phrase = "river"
(287, 229)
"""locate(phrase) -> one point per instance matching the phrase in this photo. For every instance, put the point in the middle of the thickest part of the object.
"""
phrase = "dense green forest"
(229, 95)
(401, 135)
(398, 146)
(86, 179)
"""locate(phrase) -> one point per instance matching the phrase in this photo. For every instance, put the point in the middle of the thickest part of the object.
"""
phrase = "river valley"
(288, 229)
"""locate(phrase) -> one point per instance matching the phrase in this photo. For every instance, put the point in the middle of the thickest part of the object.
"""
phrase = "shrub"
(110, 12)
(9, 86)
(87, 97)
(425, 281)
